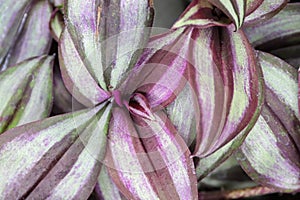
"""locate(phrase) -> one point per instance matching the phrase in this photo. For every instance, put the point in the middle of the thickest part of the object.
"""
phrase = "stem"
(236, 194)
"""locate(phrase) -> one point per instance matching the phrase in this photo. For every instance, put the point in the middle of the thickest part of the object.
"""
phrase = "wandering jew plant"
(94, 105)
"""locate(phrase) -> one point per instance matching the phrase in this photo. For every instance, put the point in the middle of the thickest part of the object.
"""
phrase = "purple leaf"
(201, 14)
(28, 97)
(266, 10)
(162, 71)
(229, 101)
(273, 160)
(108, 35)
(34, 39)
(280, 31)
(149, 160)
(105, 188)
(75, 75)
(234, 9)
(55, 158)
(11, 18)
(183, 115)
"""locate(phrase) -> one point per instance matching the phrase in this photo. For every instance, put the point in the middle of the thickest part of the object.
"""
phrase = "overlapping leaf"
(28, 97)
(77, 78)
(200, 13)
(56, 24)
(266, 10)
(280, 31)
(105, 188)
(34, 39)
(230, 100)
(11, 18)
(60, 156)
(279, 35)
(120, 22)
(162, 71)
(271, 151)
(149, 160)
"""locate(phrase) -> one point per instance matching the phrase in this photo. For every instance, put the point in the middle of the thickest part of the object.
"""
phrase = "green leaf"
(56, 24)
(26, 92)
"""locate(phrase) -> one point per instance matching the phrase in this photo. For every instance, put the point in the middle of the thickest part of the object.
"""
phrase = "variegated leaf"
(234, 9)
(271, 151)
(201, 14)
(266, 10)
(76, 77)
(184, 116)
(105, 188)
(26, 92)
(56, 24)
(12, 16)
(119, 25)
(34, 39)
(162, 71)
(230, 101)
(149, 160)
(60, 156)
(280, 31)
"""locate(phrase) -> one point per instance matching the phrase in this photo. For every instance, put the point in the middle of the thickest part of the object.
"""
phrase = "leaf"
(11, 17)
(201, 14)
(105, 188)
(56, 24)
(60, 156)
(26, 92)
(274, 159)
(162, 71)
(76, 77)
(119, 22)
(234, 9)
(280, 31)
(63, 101)
(34, 38)
(252, 5)
(266, 10)
(183, 115)
(152, 156)
(228, 102)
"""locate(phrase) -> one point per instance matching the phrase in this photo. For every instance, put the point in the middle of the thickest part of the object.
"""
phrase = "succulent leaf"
(28, 97)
